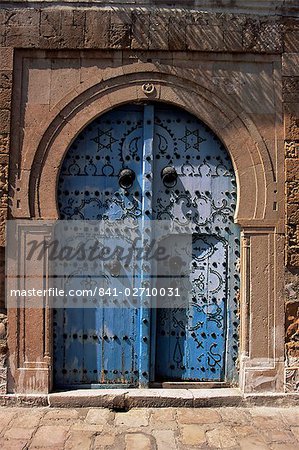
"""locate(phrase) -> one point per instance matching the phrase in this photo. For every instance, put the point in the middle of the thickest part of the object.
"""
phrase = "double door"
(154, 163)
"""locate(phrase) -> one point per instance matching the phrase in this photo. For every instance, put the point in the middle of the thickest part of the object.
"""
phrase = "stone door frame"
(261, 362)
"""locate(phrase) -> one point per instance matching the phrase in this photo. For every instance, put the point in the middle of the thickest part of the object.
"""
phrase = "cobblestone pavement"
(147, 429)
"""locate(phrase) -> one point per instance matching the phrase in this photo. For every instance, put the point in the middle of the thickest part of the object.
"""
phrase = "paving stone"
(202, 415)
(94, 428)
(163, 418)
(5, 419)
(290, 416)
(19, 433)
(137, 441)
(295, 431)
(279, 436)
(99, 416)
(192, 435)
(49, 436)
(13, 444)
(133, 418)
(235, 416)
(78, 440)
(253, 443)
(103, 440)
(221, 437)
(244, 430)
(264, 411)
(284, 446)
(267, 422)
(165, 439)
(29, 420)
(64, 413)
(83, 426)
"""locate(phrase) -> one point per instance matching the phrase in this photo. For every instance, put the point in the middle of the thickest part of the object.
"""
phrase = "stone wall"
(290, 69)
(219, 29)
(3, 352)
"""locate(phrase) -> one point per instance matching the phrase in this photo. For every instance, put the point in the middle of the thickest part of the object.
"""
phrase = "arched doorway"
(179, 172)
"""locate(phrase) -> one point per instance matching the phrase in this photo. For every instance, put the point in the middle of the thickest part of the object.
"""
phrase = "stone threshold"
(125, 399)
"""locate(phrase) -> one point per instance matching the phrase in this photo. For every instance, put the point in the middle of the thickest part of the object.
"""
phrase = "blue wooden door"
(182, 174)
(197, 342)
(95, 346)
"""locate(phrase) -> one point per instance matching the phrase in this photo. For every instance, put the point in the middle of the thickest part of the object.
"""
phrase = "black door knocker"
(169, 176)
(126, 178)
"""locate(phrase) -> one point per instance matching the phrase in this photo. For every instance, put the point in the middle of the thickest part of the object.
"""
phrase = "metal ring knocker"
(169, 176)
(126, 178)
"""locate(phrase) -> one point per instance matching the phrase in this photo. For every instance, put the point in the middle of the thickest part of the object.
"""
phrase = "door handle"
(169, 176)
(126, 178)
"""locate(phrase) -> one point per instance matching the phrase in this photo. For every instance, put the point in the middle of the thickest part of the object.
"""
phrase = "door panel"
(191, 342)
(100, 345)
(198, 341)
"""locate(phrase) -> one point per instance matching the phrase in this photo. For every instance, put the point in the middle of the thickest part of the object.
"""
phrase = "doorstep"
(125, 399)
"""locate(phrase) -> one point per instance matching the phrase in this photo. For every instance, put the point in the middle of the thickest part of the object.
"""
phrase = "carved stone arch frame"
(261, 360)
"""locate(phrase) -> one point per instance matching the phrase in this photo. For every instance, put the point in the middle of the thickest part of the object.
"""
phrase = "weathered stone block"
(204, 18)
(3, 217)
(2, 36)
(291, 122)
(292, 380)
(72, 29)
(5, 98)
(292, 322)
(3, 177)
(22, 17)
(73, 18)
(3, 380)
(99, 416)
(6, 58)
(3, 16)
(207, 38)
(138, 441)
(262, 36)
(4, 120)
(177, 33)
(50, 23)
(293, 236)
(3, 200)
(119, 35)
(293, 212)
(292, 149)
(290, 89)
(233, 40)
(292, 353)
(290, 64)
(56, 436)
(221, 437)
(25, 36)
(165, 439)
(4, 142)
(293, 192)
(292, 170)
(294, 259)
(233, 22)
(5, 79)
(291, 39)
(71, 37)
(192, 435)
(140, 30)
(158, 31)
(97, 29)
